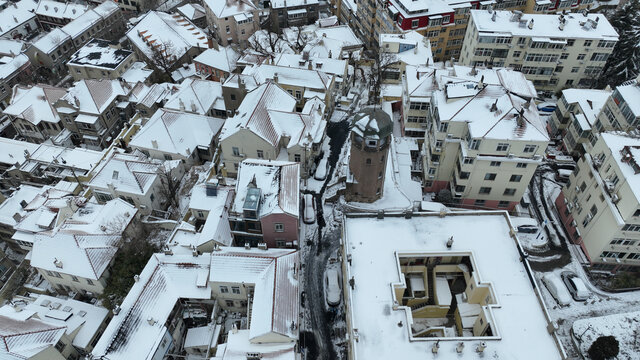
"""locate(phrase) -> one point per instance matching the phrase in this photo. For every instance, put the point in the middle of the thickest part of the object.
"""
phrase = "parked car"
(321, 170)
(528, 229)
(547, 107)
(575, 285)
(557, 289)
(332, 290)
(309, 207)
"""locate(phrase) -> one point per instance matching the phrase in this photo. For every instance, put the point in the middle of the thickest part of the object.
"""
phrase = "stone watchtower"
(370, 140)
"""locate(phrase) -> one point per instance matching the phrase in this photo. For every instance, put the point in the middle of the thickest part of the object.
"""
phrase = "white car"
(332, 290)
(309, 209)
(576, 286)
(321, 170)
(557, 289)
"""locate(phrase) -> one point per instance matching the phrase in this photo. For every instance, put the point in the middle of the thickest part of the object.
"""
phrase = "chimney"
(57, 263)
(136, 278)
(530, 24)
(275, 77)
(494, 106)
(460, 347)
(493, 17)
(481, 83)
(480, 348)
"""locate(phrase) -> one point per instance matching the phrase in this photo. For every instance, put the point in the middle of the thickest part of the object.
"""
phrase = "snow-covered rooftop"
(100, 54)
(85, 243)
(192, 11)
(278, 182)
(13, 151)
(164, 280)
(228, 8)
(51, 41)
(630, 92)
(9, 65)
(291, 76)
(329, 66)
(80, 320)
(491, 104)
(545, 26)
(590, 101)
(85, 21)
(410, 8)
(80, 159)
(174, 34)
(274, 273)
(93, 96)
(11, 47)
(223, 58)
(239, 344)
(35, 103)
(56, 9)
(617, 142)
(420, 82)
(131, 173)
(12, 205)
(519, 321)
(413, 48)
(176, 132)
(16, 14)
(138, 72)
(25, 337)
(197, 96)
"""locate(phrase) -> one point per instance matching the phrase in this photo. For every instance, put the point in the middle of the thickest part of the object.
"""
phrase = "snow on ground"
(537, 241)
(625, 327)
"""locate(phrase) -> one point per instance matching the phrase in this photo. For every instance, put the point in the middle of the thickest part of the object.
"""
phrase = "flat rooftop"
(374, 247)
(100, 54)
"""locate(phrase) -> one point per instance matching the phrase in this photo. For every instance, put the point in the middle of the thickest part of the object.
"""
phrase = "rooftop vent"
(116, 310)
(460, 347)
(45, 303)
(67, 309)
(480, 348)
(82, 313)
(57, 263)
(55, 306)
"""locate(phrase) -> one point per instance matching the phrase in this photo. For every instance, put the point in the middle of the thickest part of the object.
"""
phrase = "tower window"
(368, 161)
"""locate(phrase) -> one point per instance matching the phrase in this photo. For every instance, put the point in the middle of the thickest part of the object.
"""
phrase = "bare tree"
(170, 184)
(381, 70)
(267, 44)
(163, 55)
(300, 42)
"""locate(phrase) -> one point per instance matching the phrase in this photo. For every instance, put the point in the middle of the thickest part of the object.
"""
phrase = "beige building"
(100, 59)
(484, 137)
(600, 205)
(574, 120)
(553, 51)
(267, 126)
(232, 21)
(31, 111)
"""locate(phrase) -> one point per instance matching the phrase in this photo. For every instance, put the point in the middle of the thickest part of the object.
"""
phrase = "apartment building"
(18, 20)
(100, 59)
(195, 96)
(95, 111)
(573, 121)
(52, 14)
(553, 51)
(484, 137)
(418, 86)
(232, 21)
(15, 68)
(216, 64)
(292, 13)
(52, 51)
(452, 279)
(600, 205)
(166, 41)
(621, 111)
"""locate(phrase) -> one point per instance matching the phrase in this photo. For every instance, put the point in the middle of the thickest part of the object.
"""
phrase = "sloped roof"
(278, 182)
(50, 41)
(192, 11)
(16, 14)
(293, 76)
(224, 58)
(253, 113)
(196, 96)
(131, 173)
(35, 103)
(176, 132)
(224, 8)
(274, 273)
(60, 10)
(158, 29)
(94, 96)
(22, 339)
(12, 205)
(164, 280)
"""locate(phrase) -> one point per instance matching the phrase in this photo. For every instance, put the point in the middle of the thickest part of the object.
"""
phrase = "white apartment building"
(553, 51)
(600, 205)
(232, 21)
(573, 121)
(484, 137)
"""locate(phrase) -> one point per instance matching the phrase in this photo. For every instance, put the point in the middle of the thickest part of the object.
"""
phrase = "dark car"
(547, 107)
(528, 229)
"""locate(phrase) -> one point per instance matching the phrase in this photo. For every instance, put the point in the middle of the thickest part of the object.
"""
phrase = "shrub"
(605, 347)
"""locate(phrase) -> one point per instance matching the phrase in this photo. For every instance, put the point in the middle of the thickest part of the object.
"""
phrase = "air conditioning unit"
(438, 149)
(589, 216)
(577, 188)
(431, 177)
(578, 232)
(436, 163)
(573, 223)
(565, 201)
(449, 136)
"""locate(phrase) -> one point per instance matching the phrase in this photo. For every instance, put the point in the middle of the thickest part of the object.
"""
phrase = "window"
(509, 192)
(530, 148)
(495, 163)
(503, 204)
(229, 303)
(167, 157)
(464, 175)
(228, 29)
(475, 144)
(467, 161)
(414, 23)
(515, 178)
(485, 190)
(60, 346)
(75, 278)
(521, 165)
(260, 154)
(588, 43)
(298, 95)
(502, 147)
(368, 161)
(599, 57)
(224, 289)
(564, 56)
(479, 203)
(575, 69)
(517, 54)
(235, 289)
(581, 56)
(235, 150)
(279, 227)
(443, 127)
(89, 281)
(296, 157)
(490, 176)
